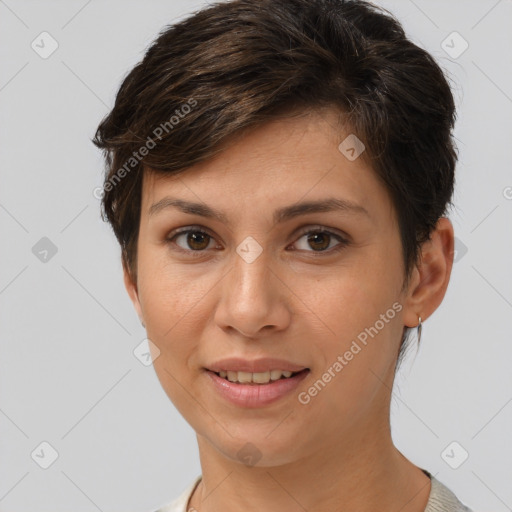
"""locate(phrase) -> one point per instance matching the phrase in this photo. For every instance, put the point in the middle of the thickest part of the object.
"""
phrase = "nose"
(254, 299)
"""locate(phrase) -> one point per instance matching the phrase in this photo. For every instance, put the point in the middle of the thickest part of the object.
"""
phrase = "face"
(278, 254)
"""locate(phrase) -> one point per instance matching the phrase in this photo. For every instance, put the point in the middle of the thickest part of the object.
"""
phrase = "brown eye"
(197, 240)
(192, 240)
(320, 241)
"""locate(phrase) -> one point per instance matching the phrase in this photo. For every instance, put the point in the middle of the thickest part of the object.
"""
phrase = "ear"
(131, 288)
(431, 276)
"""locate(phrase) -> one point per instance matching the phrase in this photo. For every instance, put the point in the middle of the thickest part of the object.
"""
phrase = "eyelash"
(343, 242)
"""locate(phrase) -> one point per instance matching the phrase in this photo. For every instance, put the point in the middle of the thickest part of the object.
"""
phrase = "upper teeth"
(258, 378)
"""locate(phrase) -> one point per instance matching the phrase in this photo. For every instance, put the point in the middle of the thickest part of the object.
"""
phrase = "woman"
(278, 174)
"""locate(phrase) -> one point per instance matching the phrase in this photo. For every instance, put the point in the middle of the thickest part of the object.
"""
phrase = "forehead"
(301, 158)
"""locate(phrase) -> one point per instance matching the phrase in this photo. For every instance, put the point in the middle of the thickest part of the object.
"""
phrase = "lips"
(254, 395)
(256, 378)
(235, 364)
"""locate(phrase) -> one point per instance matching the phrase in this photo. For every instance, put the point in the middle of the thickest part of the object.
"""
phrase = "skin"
(294, 302)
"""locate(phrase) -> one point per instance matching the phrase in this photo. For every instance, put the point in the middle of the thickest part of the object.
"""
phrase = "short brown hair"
(240, 63)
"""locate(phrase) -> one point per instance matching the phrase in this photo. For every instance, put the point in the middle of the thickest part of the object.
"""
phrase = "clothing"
(440, 499)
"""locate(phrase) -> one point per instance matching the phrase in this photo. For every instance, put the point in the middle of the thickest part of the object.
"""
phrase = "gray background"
(68, 374)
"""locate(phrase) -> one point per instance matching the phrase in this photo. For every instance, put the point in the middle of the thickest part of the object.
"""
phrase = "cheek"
(177, 306)
(355, 360)
(169, 292)
(360, 312)
(350, 297)
(175, 317)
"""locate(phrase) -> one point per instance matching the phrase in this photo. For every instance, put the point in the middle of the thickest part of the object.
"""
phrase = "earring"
(419, 327)
(142, 322)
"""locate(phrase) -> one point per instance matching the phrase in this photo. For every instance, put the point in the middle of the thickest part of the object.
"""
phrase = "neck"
(352, 473)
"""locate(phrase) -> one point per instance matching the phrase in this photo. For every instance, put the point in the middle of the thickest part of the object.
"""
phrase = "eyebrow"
(280, 215)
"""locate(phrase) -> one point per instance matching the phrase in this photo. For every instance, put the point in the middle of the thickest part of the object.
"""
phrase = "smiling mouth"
(258, 378)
